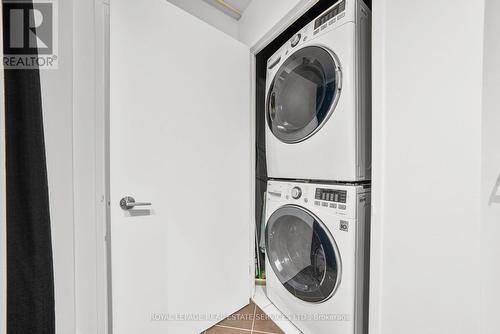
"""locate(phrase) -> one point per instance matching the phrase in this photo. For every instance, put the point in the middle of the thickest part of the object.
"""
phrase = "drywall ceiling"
(208, 13)
(233, 8)
(240, 4)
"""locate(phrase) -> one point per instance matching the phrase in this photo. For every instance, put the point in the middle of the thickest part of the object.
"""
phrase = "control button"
(295, 40)
(306, 200)
(341, 15)
(341, 6)
(342, 207)
(316, 31)
(333, 205)
(316, 203)
(325, 204)
(305, 38)
(323, 27)
(296, 192)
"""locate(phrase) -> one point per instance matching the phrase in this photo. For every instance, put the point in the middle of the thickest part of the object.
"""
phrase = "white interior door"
(180, 139)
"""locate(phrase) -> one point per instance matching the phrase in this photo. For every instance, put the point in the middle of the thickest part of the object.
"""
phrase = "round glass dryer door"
(303, 94)
(302, 254)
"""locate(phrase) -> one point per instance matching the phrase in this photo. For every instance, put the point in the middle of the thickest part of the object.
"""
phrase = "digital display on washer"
(339, 8)
(331, 195)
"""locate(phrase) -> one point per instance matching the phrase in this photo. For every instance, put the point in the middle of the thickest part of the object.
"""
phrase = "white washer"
(317, 248)
(318, 99)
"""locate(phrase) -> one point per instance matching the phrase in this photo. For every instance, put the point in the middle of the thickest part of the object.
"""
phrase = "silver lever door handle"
(128, 202)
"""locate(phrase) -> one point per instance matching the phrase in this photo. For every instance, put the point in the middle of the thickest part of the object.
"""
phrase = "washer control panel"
(331, 195)
(337, 199)
(330, 198)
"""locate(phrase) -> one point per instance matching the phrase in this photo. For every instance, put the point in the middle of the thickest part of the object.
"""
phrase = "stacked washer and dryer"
(318, 148)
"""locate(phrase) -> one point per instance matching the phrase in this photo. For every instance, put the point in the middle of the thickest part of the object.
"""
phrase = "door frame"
(3, 197)
(90, 172)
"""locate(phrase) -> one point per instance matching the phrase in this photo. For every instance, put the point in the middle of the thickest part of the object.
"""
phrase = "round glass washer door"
(303, 254)
(303, 94)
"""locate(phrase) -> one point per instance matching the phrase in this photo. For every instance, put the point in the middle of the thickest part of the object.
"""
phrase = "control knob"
(295, 40)
(296, 192)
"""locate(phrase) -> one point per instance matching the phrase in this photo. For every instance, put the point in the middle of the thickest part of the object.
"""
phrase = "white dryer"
(317, 253)
(318, 99)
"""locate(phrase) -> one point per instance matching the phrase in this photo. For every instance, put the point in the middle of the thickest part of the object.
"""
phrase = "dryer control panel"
(341, 12)
(329, 14)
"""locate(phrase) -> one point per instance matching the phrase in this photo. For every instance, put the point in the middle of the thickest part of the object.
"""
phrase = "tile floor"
(249, 320)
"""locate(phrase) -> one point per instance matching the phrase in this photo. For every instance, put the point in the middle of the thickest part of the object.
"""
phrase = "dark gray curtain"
(30, 282)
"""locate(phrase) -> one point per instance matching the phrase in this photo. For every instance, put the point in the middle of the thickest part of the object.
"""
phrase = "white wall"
(427, 79)
(209, 14)
(490, 186)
